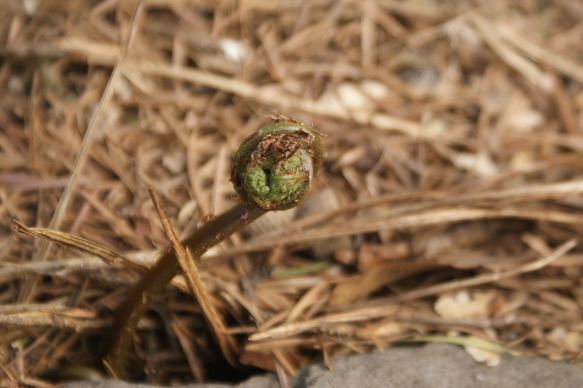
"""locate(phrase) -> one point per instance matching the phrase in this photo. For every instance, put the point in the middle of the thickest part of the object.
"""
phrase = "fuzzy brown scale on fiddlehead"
(275, 166)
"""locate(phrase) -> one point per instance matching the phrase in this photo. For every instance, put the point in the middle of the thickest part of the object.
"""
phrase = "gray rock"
(432, 365)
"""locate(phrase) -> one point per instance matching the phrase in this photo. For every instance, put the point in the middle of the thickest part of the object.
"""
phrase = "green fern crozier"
(275, 166)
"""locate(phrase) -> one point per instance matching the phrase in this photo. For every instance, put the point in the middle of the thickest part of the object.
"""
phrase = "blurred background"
(449, 204)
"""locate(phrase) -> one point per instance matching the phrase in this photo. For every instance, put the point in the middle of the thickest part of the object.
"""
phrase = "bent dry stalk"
(272, 170)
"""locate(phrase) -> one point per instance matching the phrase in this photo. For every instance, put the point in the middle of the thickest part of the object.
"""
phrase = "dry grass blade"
(521, 64)
(425, 218)
(51, 267)
(323, 322)
(27, 292)
(197, 287)
(107, 255)
(366, 282)
(61, 317)
(556, 190)
(563, 64)
(279, 97)
(186, 344)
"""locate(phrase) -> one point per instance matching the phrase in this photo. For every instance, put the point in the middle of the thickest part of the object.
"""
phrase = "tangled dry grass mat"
(449, 206)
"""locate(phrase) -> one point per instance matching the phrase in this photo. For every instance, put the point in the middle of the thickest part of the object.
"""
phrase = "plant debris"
(453, 139)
